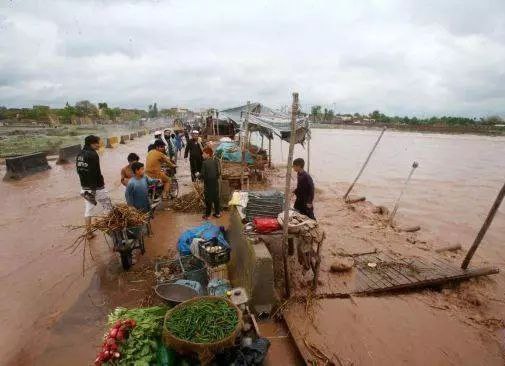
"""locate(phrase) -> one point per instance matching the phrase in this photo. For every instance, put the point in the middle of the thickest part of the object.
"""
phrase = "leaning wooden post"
(287, 193)
(483, 229)
(397, 203)
(364, 164)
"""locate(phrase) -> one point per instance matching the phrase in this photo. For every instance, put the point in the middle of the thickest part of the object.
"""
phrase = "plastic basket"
(219, 254)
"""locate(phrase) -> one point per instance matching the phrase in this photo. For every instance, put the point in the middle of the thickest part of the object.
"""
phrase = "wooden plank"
(415, 277)
(384, 273)
(396, 275)
(477, 272)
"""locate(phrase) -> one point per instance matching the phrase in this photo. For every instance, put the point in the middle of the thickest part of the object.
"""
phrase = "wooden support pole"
(364, 164)
(308, 153)
(262, 142)
(244, 142)
(397, 203)
(269, 153)
(287, 194)
(485, 226)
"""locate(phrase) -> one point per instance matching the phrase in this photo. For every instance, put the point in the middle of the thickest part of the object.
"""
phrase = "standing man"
(304, 191)
(195, 150)
(127, 172)
(154, 161)
(92, 184)
(210, 176)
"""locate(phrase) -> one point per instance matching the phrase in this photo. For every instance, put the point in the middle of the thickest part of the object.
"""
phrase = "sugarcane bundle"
(190, 202)
(120, 217)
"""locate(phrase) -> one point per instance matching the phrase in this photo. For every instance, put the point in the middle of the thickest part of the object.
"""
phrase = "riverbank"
(454, 130)
(26, 140)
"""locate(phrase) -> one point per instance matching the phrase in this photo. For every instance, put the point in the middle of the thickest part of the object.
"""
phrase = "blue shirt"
(137, 194)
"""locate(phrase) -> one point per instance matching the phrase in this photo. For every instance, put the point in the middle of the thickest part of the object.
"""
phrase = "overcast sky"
(402, 57)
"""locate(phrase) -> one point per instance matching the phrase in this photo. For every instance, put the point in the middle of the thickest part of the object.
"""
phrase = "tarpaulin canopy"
(267, 121)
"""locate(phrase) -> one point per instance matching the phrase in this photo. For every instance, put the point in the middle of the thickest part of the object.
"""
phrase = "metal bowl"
(174, 293)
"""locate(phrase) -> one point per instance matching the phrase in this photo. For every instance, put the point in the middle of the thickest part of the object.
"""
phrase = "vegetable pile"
(204, 321)
(141, 346)
(113, 339)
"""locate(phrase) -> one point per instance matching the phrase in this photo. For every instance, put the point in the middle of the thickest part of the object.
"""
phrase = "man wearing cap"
(155, 159)
(195, 150)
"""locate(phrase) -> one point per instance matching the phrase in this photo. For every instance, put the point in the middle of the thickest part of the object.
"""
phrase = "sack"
(266, 224)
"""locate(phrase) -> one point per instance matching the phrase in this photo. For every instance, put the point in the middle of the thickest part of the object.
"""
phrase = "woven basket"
(205, 351)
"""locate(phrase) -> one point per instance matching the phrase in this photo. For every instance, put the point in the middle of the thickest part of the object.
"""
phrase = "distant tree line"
(68, 114)
(320, 115)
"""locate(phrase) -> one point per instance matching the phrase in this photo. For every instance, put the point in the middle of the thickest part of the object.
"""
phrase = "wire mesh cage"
(182, 268)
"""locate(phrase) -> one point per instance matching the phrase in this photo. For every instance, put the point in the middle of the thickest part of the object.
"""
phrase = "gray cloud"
(416, 57)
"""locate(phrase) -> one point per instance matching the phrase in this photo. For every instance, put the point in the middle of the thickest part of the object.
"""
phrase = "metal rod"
(287, 194)
(485, 226)
(397, 203)
(364, 164)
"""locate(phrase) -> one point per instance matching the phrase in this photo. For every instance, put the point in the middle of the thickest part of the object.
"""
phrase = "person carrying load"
(87, 164)
(156, 158)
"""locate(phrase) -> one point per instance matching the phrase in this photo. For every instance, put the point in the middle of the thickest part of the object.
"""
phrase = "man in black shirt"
(93, 190)
(194, 149)
(304, 190)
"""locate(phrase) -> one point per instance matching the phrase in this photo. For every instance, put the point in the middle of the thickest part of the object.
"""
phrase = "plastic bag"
(252, 355)
(266, 224)
(206, 231)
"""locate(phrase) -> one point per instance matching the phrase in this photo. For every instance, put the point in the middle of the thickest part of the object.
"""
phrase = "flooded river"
(449, 196)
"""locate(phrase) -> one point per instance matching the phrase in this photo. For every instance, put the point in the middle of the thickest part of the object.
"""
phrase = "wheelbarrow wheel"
(174, 188)
(126, 259)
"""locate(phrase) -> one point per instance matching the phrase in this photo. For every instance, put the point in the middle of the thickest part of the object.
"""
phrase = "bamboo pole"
(287, 193)
(397, 203)
(485, 226)
(364, 164)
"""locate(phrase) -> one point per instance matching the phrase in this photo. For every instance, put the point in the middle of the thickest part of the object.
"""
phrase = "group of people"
(137, 178)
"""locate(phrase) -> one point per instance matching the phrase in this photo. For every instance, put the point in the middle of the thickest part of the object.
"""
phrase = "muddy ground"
(52, 315)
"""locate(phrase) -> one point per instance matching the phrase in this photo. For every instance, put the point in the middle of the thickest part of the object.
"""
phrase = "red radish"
(117, 324)
(113, 347)
(111, 341)
(113, 332)
(120, 335)
(117, 355)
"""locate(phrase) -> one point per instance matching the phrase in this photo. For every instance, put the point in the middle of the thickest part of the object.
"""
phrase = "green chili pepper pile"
(204, 321)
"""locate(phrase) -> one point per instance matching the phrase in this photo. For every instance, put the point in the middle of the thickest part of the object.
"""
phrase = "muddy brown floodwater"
(52, 315)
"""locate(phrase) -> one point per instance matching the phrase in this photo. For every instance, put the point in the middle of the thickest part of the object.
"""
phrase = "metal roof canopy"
(268, 122)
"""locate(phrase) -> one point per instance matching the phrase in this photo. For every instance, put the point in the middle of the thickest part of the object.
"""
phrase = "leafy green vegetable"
(140, 348)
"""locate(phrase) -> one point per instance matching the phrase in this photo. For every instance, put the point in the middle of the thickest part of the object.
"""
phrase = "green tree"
(67, 113)
(315, 112)
(85, 108)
